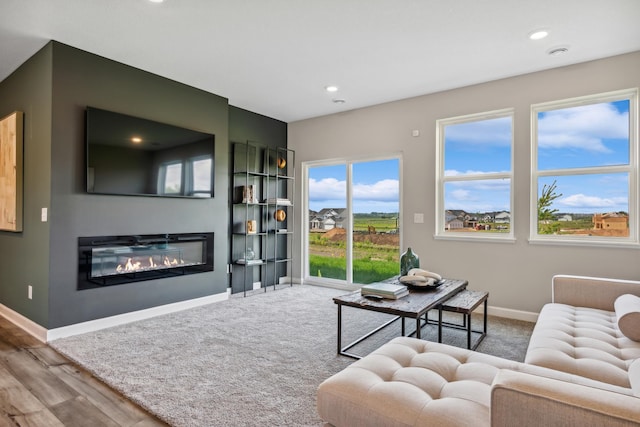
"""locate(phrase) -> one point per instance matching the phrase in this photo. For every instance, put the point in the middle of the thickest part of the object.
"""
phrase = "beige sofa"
(580, 369)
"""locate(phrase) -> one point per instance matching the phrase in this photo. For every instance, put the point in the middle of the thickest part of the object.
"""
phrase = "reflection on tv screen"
(128, 155)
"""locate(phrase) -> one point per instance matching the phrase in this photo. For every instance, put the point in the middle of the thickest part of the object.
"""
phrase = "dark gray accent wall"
(53, 89)
(24, 257)
(81, 79)
(246, 125)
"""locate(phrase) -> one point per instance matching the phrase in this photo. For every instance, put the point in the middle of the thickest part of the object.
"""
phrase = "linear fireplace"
(115, 260)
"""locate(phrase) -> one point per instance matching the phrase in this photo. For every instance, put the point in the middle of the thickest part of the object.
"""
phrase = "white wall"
(517, 275)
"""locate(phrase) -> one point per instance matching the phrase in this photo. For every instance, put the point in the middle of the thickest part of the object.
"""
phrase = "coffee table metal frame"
(414, 306)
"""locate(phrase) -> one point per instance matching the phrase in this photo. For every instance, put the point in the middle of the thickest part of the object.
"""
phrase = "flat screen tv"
(132, 156)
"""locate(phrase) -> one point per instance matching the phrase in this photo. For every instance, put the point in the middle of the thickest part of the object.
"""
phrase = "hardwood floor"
(40, 387)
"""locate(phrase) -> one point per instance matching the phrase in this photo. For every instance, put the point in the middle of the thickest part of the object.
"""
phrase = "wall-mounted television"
(132, 156)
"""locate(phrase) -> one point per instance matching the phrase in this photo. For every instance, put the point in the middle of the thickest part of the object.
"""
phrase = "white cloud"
(583, 128)
(592, 202)
(485, 132)
(483, 185)
(478, 196)
(386, 190)
(453, 172)
(327, 189)
(460, 195)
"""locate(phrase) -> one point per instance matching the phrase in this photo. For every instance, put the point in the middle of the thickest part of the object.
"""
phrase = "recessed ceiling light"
(156, 1)
(557, 51)
(136, 140)
(538, 34)
(331, 88)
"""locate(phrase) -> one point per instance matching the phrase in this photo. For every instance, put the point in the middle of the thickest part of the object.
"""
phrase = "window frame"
(442, 180)
(631, 168)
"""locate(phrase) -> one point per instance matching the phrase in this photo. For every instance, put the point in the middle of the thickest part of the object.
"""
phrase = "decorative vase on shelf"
(249, 254)
(408, 260)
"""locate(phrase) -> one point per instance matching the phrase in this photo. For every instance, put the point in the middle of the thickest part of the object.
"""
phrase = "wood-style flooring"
(40, 387)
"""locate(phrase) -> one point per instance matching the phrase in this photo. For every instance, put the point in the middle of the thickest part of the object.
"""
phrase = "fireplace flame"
(133, 265)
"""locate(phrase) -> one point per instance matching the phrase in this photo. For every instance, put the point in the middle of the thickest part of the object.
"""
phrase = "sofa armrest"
(593, 292)
(527, 400)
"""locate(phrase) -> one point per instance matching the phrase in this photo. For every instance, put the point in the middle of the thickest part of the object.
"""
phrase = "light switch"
(418, 218)
(43, 215)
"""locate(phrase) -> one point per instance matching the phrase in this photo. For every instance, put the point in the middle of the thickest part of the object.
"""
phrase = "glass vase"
(408, 260)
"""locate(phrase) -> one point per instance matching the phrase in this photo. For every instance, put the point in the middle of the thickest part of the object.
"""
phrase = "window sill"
(627, 244)
(468, 237)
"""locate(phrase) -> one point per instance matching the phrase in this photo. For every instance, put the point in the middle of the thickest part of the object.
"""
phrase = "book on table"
(384, 290)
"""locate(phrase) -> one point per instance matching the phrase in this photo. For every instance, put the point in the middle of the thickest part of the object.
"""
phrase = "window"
(191, 177)
(201, 176)
(474, 176)
(584, 178)
(170, 178)
(352, 229)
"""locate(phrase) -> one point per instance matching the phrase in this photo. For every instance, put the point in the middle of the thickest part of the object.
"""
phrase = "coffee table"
(413, 306)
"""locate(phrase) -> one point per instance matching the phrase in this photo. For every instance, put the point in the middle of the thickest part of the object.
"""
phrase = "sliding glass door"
(353, 221)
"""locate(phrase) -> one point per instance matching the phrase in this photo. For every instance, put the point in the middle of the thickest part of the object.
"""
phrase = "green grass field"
(383, 223)
(372, 262)
(365, 271)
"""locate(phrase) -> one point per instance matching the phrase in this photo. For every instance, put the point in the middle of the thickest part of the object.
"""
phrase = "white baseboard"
(27, 325)
(120, 319)
(509, 313)
(285, 280)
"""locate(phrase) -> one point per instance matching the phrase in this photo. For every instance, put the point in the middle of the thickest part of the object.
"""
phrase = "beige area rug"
(254, 361)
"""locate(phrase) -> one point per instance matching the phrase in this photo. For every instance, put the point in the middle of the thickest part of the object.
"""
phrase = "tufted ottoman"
(412, 382)
(582, 341)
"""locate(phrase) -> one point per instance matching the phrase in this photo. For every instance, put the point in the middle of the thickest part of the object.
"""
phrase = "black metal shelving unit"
(262, 216)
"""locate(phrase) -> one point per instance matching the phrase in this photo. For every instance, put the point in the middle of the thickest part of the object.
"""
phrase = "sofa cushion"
(582, 341)
(628, 314)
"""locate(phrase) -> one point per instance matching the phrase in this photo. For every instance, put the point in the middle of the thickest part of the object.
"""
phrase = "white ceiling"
(275, 57)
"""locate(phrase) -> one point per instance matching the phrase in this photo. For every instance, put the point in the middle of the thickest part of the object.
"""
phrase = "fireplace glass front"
(114, 260)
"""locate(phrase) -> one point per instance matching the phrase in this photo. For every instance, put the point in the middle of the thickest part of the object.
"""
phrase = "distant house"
(327, 219)
(470, 222)
(565, 218)
(449, 216)
(503, 217)
(611, 221)
(454, 224)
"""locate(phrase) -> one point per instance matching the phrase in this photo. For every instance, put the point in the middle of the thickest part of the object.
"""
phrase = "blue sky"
(375, 186)
(584, 136)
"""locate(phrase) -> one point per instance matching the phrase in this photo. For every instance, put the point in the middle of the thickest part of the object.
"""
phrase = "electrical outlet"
(30, 292)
